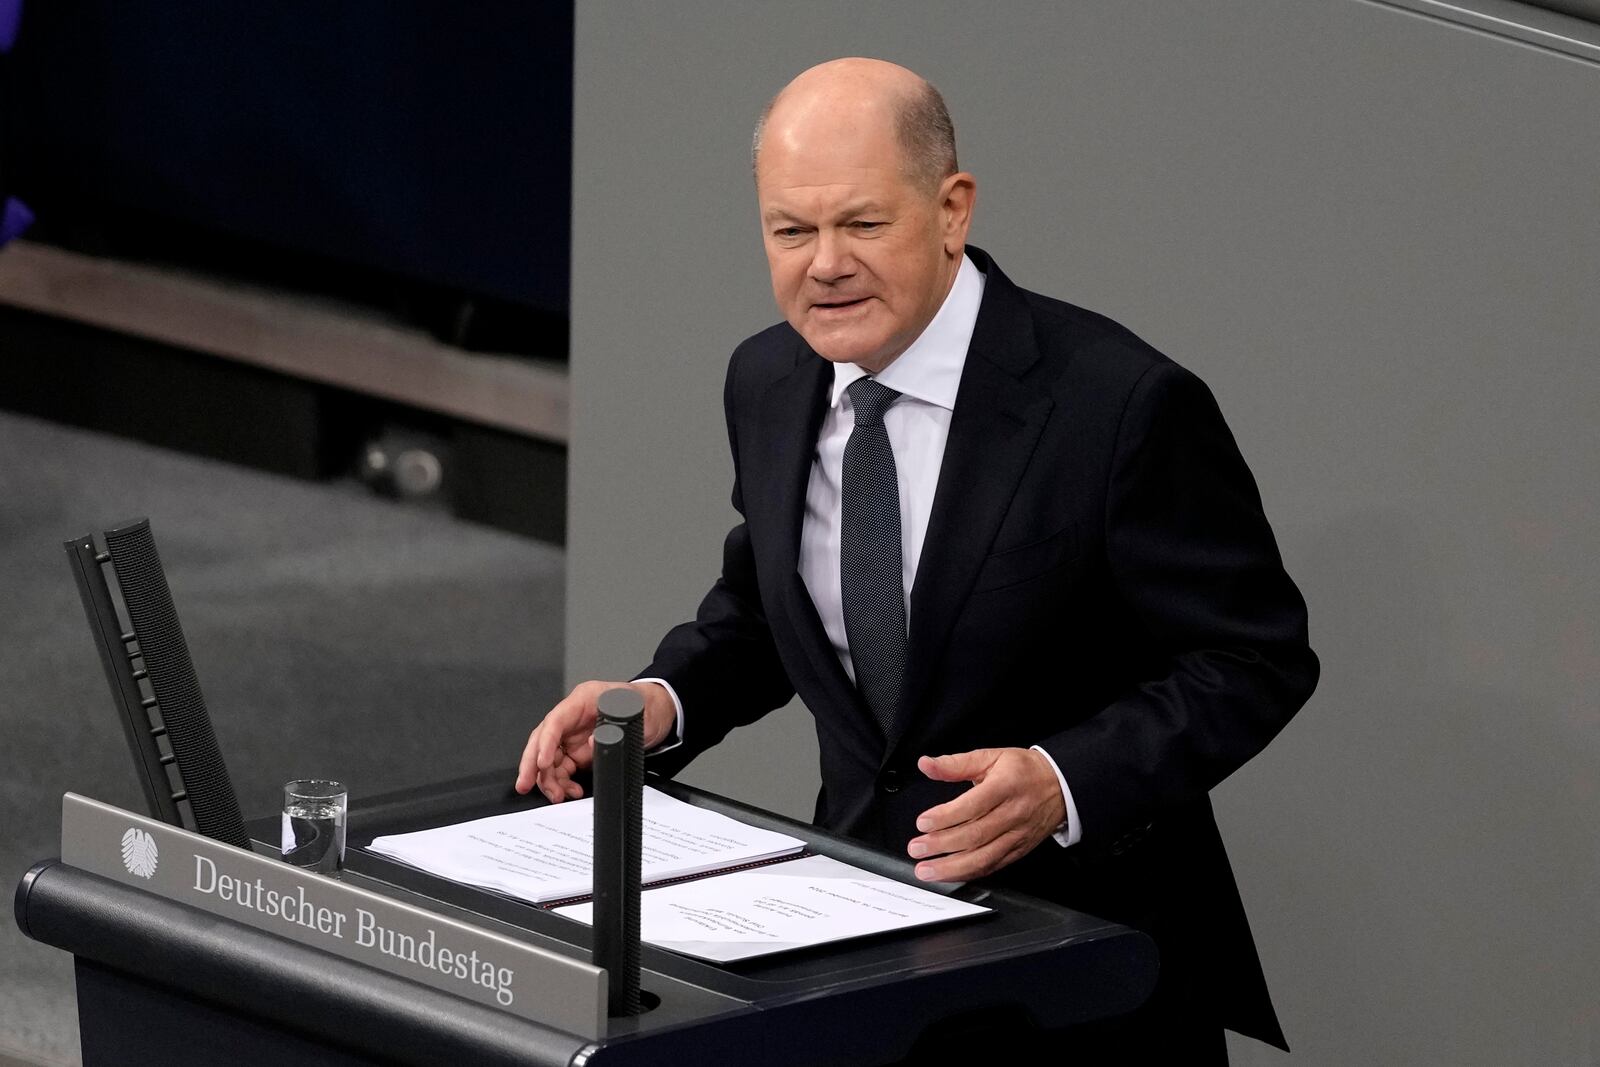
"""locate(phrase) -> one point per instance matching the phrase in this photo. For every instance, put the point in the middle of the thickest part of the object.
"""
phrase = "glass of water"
(313, 823)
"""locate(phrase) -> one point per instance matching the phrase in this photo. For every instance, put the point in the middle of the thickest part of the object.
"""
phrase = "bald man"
(1006, 553)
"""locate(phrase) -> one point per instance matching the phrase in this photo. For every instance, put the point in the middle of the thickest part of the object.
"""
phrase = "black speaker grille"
(154, 620)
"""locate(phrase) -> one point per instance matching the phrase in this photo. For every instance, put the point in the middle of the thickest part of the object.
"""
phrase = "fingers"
(556, 782)
(982, 846)
(542, 754)
(530, 774)
(961, 767)
(958, 767)
(528, 766)
(568, 723)
(976, 863)
(962, 836)
(561, 745)
(1014, 805)
(973, 804)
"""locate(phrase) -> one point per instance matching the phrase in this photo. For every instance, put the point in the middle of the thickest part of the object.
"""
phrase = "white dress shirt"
(927, 376)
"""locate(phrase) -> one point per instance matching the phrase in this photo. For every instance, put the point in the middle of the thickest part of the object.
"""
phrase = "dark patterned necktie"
(869, 554)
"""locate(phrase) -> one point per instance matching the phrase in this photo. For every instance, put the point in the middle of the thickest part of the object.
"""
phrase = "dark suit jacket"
(1097, 578)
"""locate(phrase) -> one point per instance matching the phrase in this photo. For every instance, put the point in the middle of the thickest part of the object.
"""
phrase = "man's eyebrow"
(861, 207)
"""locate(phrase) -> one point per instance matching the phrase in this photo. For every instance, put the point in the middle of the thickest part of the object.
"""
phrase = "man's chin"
(837, 349)
(836, 356)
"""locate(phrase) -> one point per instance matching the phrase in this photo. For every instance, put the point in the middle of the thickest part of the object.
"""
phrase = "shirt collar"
(930, 370)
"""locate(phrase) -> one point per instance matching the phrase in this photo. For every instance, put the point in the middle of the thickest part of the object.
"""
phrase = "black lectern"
(161, 981)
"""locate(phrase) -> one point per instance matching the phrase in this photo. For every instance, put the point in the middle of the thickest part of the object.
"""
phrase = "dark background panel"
(367, 145)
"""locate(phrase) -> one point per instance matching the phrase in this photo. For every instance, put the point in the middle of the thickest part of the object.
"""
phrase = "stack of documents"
(811, 900)
(547, 853)
(732, 890)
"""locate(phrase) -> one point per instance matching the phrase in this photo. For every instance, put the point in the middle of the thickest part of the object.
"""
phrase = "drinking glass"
(314, 823)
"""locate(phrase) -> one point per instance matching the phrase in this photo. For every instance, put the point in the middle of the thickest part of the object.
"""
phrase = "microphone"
(618, 844)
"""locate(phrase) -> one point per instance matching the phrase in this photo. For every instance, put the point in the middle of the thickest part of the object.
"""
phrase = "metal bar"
(291, 336)
(1522, 23)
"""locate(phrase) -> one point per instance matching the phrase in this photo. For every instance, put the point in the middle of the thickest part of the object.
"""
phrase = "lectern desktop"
(163, 981)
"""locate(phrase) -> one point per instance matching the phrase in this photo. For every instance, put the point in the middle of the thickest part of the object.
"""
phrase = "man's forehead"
(848, 165)
(820, 142)
(800, 201)
(832, 123)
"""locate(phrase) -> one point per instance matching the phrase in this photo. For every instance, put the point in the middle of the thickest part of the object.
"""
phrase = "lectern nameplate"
(346, 920)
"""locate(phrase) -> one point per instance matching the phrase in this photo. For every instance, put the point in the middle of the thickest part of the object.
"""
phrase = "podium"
(160, 980)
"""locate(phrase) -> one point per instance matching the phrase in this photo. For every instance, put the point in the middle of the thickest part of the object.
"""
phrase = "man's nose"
(831, 260)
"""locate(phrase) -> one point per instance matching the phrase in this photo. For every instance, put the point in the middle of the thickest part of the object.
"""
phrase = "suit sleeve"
(724, 664)
(1193, 559)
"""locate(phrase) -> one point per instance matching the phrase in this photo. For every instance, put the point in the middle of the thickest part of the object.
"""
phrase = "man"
(982, 523)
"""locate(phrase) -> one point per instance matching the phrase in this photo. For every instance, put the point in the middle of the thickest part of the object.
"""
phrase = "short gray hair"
(922, 122)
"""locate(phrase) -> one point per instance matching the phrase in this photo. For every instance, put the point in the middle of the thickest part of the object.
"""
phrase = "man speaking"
(1006, 553)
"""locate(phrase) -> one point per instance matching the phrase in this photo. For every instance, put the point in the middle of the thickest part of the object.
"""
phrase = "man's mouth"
(838, 305)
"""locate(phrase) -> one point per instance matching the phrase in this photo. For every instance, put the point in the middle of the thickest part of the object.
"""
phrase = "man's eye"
(787, 231)
(867, 224)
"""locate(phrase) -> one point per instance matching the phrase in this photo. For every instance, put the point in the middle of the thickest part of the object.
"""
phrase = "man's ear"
(958, 194)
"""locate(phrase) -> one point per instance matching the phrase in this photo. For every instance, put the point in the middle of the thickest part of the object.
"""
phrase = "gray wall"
(1378, 237)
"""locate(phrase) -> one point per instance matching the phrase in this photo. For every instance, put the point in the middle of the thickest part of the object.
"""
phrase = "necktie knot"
(870, 399)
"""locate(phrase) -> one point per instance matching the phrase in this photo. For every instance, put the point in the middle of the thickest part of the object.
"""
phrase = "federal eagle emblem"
(139, 853)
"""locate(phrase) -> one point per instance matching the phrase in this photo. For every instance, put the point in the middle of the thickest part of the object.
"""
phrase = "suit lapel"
(792, 411)
(993, 432)
(790, 418)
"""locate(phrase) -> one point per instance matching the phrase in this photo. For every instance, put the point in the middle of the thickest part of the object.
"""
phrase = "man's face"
(861, 257)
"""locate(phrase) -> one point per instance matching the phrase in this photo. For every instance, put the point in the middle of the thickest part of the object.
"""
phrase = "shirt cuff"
(1068, 833)
(675, 739)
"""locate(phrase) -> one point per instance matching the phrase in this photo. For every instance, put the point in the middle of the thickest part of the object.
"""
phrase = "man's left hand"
(1015, 802)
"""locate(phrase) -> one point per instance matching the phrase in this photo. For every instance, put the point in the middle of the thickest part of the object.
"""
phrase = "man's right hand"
(563, 742)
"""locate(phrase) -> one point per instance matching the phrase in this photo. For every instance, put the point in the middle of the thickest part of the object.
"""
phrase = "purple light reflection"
(10, 22)
(14, 219)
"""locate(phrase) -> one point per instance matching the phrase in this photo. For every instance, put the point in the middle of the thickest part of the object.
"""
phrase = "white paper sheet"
(547, 853)
(808, 901)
